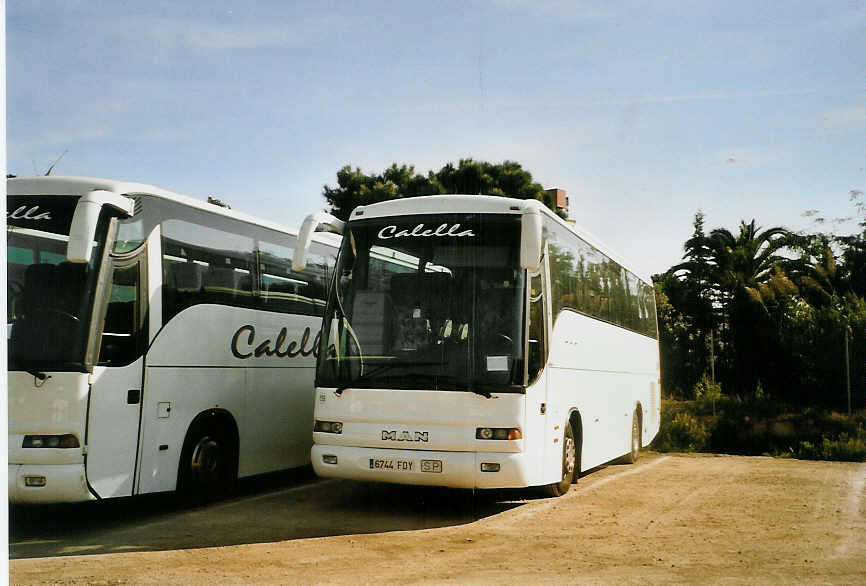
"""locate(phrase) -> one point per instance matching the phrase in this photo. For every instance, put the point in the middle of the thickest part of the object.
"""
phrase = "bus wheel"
(207, 466)
(569, 459)
(633, 454)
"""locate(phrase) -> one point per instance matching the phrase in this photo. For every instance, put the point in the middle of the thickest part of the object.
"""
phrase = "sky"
(644, 112)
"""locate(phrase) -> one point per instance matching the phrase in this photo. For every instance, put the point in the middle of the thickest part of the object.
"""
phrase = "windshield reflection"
(49, 299)
(426, 303)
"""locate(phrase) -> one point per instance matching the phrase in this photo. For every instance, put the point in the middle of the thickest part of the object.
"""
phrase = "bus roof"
(482, 204)
(66, 185)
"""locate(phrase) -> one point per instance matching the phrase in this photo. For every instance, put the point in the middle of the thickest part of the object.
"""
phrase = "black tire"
(569, 465)
(634, 445)
(208, 465)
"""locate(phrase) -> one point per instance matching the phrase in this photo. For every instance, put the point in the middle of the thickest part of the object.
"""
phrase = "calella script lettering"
(244, 344)
(25, 213)
(419, 231)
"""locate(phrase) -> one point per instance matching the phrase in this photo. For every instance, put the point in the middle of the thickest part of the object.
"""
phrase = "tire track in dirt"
(853, 509)
(534, 508)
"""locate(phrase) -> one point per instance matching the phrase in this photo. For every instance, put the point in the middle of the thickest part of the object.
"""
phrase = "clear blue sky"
(644, 112)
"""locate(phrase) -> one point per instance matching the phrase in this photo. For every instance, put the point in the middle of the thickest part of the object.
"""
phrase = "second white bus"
(481, 342)
(155, 342)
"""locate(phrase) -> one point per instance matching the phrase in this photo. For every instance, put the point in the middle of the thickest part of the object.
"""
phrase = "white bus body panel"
(604, 372)
(186, 372)
(269, 397)
(599, 370)
(57, 405)
(112, 429)
(459, 469)
(412, 425)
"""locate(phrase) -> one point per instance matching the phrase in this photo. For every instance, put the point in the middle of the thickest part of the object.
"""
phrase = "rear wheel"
(634, 451)
(569, 464)
(207, 465)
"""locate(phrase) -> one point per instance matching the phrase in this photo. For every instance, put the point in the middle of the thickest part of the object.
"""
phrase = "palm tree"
(740, 264)
(747, 259)
(691, 291)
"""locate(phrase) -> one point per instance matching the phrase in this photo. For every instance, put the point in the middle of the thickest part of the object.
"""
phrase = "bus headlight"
(498, 433)
(66, 440)
(328, 426)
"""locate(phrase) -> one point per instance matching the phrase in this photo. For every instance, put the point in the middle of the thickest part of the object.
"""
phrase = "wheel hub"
(206, 458)
(568, 467)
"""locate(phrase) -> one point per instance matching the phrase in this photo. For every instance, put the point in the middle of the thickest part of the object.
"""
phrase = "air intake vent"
(137, 208)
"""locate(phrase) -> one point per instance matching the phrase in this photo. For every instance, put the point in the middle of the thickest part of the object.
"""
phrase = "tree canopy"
(355, 188)
(766, 311)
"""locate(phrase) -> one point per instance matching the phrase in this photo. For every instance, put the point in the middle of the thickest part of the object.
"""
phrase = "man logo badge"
(405, 436)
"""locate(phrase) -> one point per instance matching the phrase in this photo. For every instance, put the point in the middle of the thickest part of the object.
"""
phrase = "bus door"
(114, 410)
(540, 333)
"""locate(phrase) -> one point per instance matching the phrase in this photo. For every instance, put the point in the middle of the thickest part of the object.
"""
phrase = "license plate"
(392, 464)
(431, 465)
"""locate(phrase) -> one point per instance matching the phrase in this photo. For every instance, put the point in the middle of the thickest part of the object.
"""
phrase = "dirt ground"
(668, 519)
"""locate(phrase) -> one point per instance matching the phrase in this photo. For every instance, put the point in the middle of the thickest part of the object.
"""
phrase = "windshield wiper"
(387, 366)
(36, 373)
(480, 391)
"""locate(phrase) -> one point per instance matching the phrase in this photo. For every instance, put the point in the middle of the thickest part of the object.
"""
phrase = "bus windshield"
(430, 302)
(49, 299)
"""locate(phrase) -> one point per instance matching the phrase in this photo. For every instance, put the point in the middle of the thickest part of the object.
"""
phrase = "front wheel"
(569, 465)
(207, 466)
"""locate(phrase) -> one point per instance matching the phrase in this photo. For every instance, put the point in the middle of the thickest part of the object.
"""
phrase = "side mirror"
(312, 224)
(531, 230)
(86, 217)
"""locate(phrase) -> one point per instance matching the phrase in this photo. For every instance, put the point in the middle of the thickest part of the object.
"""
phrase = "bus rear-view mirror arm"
(317, 222)
(531, 240)
(85, 219)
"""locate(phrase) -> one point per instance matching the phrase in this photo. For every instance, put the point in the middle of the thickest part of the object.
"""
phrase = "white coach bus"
(480, 342)
(155, 342)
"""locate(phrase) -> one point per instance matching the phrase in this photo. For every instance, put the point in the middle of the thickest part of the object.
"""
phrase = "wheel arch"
(216, 419)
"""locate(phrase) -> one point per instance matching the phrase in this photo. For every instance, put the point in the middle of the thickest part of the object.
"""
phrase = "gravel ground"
(679, 519)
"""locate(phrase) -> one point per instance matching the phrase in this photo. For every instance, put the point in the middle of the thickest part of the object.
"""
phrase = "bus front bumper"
(48, 483)
(429, 468)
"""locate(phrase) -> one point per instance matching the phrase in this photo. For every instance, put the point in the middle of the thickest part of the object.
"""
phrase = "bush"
(760, 426)
(707, 396)
(844, 449)
(682, 433)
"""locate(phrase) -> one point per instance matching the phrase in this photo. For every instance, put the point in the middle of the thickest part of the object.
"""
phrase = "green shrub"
(707, 396)
(758, 425)
(844, 449)
(683, 432)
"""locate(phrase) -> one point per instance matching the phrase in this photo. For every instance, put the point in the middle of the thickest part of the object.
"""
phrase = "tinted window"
(210, 258)
(585, 280)
(49, 300)
(204, 265)
(287, 291)
(124, 331)
(427, 302)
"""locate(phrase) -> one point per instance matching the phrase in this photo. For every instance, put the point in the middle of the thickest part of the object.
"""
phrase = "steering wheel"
(14, 291)
(60, 312)
(499, 341)
(500, 337)
(14, 288)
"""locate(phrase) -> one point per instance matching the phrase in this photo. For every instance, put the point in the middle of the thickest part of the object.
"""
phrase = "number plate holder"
(391, 465)
(434, 466)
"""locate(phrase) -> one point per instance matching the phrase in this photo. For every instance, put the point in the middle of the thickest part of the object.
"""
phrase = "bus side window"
(124, 323)
(537, 351)
(285, 291)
